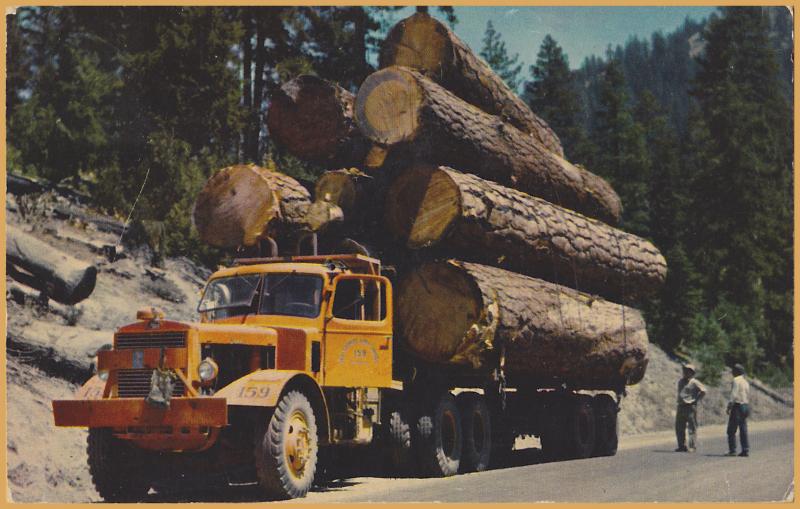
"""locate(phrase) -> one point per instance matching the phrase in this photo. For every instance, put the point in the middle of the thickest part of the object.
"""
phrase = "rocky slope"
(49, 351)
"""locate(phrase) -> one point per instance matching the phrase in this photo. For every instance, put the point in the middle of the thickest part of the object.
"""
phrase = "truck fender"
(264, 388)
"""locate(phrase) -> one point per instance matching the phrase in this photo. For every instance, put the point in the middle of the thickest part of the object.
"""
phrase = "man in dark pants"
(690, 391)
(738, 412)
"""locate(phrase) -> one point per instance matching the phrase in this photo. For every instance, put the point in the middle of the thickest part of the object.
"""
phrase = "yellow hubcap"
(298, 444)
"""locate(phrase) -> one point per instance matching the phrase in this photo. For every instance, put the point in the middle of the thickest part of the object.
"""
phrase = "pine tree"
(672, 313)
(61, 127)
(621, 152)
(495, 53)
(743, 196)
(552, 95)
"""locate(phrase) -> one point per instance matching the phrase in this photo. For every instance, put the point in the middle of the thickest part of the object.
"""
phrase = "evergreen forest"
(692, 128)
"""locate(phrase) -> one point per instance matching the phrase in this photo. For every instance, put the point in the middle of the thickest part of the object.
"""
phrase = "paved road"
(644, 470)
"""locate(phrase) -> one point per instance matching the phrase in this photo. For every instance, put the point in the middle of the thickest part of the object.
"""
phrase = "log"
(345, 188)
(424, 43)
(313, 119)
(62, 277)
(398, 106)
(480, 221)
(470, 315)
(243, 203)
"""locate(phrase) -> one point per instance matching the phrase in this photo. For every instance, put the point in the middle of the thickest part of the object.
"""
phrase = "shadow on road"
(338, 476)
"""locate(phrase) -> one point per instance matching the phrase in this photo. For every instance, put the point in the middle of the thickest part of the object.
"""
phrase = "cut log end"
(235, 206)
(418, 42)
(310, 117)
(421, 204)
(338, 188)
(388, 106)
(322, 214)
(443, 291)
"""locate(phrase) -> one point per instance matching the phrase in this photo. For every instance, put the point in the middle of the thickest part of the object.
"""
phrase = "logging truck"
(294, 357)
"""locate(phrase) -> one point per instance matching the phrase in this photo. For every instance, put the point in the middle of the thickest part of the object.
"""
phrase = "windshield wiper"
(268, 292)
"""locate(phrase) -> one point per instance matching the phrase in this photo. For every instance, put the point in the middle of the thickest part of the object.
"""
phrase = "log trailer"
(292, 358)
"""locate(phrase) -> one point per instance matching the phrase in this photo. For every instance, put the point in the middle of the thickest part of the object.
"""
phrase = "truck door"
(358, 332)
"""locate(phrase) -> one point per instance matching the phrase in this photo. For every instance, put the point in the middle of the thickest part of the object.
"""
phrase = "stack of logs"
(506, 253)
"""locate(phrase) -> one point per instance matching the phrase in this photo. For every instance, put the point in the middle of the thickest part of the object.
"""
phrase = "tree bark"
(476, 220)
(63, 278)
(424, 43)
(313, 119)
(243, 203)
(398, 106)
(471, 315)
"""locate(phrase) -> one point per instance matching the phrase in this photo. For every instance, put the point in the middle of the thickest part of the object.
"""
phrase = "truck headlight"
(102, 374)
(207, 369)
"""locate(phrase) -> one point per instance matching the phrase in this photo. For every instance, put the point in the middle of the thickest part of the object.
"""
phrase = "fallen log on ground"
(313, 119)
(398, 105)
(481, 221)
(241, 204)
(25, 295)
(467, 314)
(62, 277)
(424, 43)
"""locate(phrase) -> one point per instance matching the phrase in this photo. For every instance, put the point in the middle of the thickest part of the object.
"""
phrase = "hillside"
(48, 353)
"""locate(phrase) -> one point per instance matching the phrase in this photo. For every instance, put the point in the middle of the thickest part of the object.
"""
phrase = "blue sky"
(581, 31)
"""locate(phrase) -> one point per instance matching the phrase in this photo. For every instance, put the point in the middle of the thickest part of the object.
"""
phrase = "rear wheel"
(286, 451)
(581, 430)
(605, 409)
(477, 431)
(554, 424)
(437, 436)
(117, 468)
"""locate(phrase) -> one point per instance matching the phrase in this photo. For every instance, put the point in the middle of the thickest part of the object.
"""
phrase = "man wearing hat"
(738, 412)
(690, 391)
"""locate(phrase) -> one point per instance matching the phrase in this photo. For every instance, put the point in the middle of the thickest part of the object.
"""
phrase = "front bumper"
(127, 412)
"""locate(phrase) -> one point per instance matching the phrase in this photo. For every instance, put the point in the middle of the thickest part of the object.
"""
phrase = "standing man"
(738, 412)
(690, 391)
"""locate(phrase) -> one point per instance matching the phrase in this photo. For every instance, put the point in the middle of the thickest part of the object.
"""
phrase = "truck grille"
(135, 383)
(175, 339)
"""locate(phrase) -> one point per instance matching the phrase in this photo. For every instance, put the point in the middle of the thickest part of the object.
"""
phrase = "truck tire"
(581, 430)
(116, 468)
(286, 448)
(476, 427)
(605, 410)
(553, 429)
(437, 436)
(398, 443)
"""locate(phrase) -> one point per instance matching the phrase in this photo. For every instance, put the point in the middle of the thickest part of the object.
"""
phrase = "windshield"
(291, 294)
(229, 296)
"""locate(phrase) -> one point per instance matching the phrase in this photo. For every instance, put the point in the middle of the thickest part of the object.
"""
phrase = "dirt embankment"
(48, 356)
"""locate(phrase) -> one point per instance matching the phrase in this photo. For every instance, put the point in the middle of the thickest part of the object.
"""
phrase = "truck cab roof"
(317, 264)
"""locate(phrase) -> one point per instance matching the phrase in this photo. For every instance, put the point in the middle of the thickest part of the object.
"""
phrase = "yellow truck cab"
(295, 350)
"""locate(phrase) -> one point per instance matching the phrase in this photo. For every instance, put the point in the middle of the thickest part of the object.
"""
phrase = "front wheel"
(116, 468)
(286, 451)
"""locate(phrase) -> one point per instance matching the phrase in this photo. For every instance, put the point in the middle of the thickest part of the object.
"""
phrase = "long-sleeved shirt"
(690, 391)
(740, 390)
